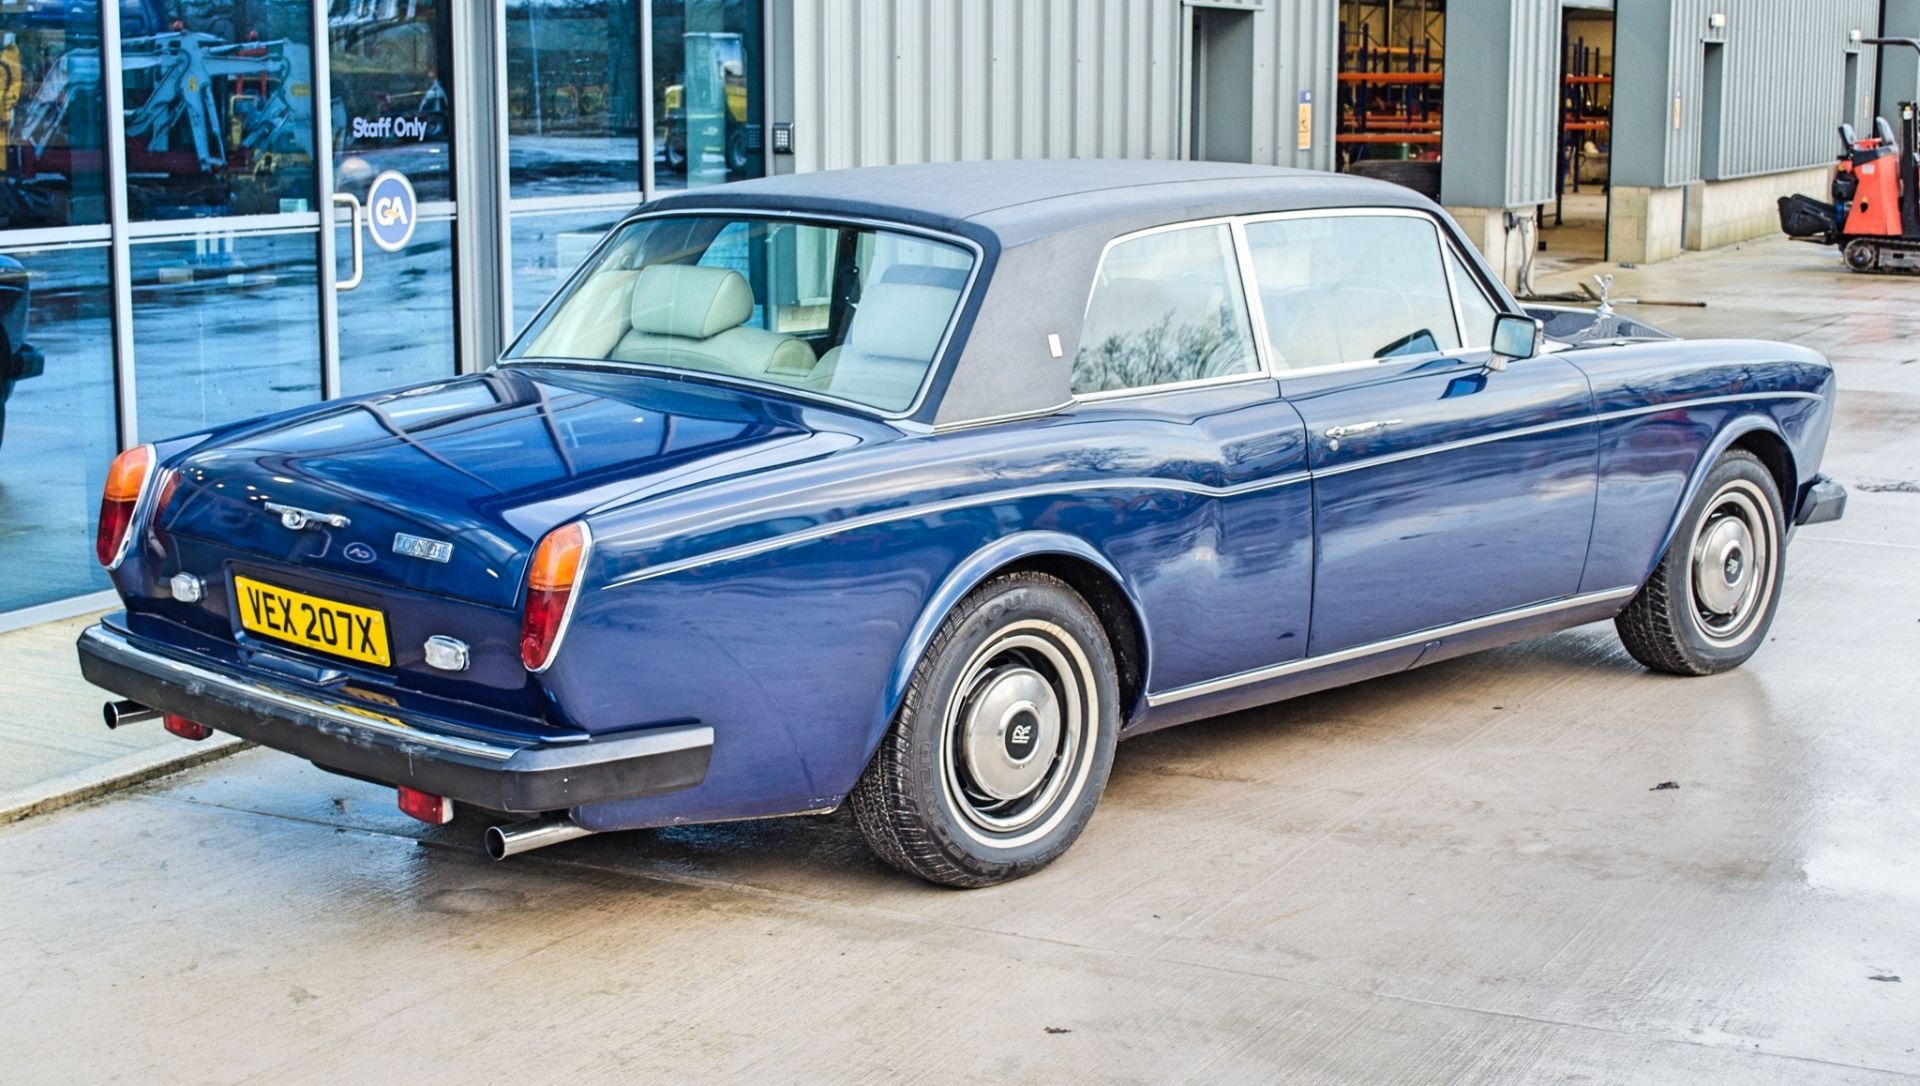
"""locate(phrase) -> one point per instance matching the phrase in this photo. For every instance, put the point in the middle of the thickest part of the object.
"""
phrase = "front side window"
(1476, 312)
(850, 312)
(1349, 288)
(1166, 308)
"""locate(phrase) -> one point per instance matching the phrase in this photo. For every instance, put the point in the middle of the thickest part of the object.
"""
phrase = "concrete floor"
(1461, 874)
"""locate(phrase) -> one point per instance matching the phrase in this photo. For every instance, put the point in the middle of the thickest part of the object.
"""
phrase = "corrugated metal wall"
(885, 81)
(1783, 84)
(1502, 103)
(1533, 101)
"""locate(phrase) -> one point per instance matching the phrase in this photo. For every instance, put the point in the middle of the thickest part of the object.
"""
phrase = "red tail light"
(550, 581)
(184, 728)
(425, 806)
(126, 481)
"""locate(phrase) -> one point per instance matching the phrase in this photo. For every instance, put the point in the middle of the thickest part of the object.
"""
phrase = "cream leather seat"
(692, 317)
(895, 331)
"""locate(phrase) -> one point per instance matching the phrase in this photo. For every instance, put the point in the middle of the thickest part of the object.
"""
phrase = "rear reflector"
(431, 809)
(184, 728)
(126, 481)
(550, 580)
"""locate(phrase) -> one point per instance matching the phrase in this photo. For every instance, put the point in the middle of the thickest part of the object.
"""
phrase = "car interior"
(854, 313)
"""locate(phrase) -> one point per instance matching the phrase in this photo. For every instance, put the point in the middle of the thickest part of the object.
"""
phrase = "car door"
(1444, 490)
(1169, 381)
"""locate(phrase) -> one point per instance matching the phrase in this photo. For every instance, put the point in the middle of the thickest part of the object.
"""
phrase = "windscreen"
(851, 312)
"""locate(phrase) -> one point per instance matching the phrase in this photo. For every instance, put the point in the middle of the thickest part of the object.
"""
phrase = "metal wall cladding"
(1783, 82)
(891, 81)
(1533, 102)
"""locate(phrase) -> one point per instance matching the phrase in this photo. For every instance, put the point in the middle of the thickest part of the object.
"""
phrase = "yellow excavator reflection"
(716, 73)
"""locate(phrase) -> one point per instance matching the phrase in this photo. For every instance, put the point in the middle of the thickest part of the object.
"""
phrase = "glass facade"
(707, 74)
(56, 419)
(573, 97)
(219, 100)
(224, 327)
(238, 152)
(390, 74)
(51, 119)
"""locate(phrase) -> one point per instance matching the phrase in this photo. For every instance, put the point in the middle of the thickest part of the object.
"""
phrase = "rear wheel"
(1711, 600)
(1003, 742)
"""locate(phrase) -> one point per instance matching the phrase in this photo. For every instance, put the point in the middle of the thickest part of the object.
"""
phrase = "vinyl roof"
(1028, 198)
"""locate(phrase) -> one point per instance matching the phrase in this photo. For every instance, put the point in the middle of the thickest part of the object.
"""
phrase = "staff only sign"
(390, 208)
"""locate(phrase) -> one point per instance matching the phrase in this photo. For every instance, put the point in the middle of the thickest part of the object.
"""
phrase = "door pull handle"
(353, 206)
(1335, 433)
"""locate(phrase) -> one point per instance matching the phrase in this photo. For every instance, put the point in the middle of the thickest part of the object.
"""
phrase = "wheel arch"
(1067, 557)
(1756, 434)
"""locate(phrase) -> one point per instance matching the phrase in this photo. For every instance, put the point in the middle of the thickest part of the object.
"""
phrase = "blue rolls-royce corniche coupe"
(917, 488)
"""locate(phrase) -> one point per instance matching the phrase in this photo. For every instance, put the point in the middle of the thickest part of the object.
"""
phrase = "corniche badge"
(413, 546)
(359, 552)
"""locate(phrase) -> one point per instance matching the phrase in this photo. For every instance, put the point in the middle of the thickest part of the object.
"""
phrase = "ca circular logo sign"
(359, 552)
(390, 211)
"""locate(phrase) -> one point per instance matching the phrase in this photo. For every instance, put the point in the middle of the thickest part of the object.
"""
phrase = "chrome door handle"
(353, 206)
(1335, 433)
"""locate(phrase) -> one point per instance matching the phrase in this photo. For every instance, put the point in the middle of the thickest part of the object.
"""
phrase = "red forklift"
(1875, 214)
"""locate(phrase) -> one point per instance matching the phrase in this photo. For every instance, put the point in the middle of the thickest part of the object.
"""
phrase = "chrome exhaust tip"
(505, 841)
(118, 713)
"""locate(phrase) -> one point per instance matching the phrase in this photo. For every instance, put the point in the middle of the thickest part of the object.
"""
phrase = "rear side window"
(1166, 308)
(1348, 288)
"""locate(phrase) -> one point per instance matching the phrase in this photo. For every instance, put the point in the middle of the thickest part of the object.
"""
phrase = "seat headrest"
(690, 301)
(901, 320)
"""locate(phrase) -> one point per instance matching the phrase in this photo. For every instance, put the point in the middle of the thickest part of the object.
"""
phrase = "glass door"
(391, 108)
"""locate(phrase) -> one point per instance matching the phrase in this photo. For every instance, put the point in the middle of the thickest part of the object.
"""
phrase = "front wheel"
(1711, 600)
(1003, 741)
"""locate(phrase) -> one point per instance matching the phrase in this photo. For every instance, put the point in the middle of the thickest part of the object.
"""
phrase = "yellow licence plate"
(323, 625)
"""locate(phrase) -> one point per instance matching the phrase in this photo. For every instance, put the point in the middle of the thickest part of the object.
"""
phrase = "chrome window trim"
(1177, 386)
(1404, 641)
(934, 364)
(1255, 332)
(912, 512)
(1479, 287)
(990, 420)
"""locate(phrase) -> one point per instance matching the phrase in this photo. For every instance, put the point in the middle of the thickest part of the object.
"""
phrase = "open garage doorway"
(1573, 229)
(1392, 71)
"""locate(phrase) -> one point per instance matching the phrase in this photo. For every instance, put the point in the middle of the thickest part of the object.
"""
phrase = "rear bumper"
(1825, 500)
(489, 773)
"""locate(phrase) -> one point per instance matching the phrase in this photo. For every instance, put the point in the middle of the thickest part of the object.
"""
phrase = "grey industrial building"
(176, 175)
(1718, 106)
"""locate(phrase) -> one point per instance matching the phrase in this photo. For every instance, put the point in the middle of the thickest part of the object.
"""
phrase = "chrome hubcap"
(1011, 717)
(1721, 572)
(1017, 742)
(1732, 572)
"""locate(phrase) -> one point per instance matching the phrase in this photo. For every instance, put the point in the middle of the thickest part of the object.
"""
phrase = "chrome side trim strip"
(1548, 427)
(188, 674)
(849, 524)
(1313, 663)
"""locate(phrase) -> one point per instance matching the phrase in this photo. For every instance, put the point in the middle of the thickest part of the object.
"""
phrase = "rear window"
(1166, 309)
(852, 312)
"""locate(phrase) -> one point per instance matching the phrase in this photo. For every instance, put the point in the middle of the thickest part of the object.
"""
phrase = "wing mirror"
(1515, 337)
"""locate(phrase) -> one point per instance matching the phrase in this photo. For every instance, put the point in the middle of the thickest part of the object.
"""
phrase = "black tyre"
(1003, 742)
(737, 154)
(1711, 599)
